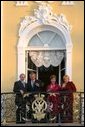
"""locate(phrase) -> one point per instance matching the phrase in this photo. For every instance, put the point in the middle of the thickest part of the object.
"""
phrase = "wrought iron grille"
(41, 108)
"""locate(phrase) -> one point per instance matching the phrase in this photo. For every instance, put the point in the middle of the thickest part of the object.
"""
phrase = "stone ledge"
(43, 124)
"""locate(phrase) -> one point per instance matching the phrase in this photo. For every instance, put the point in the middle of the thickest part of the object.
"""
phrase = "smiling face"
(53, 80)
(66, 78)
(32, 76)
(22, 77)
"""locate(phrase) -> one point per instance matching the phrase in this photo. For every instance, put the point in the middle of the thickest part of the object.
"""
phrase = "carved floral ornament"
(44, 15)
(44, 1)
(63, 2)
(25, 3)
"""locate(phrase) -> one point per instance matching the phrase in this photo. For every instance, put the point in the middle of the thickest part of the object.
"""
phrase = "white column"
(21, 61)
(60, 74)
(37, 72)
(69, 62)
(26, 64)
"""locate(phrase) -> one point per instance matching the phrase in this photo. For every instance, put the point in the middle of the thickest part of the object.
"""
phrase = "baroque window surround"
(42, 20)
(25, 3)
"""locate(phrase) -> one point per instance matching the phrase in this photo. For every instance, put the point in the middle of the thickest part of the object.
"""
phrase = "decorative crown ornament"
(39, 107)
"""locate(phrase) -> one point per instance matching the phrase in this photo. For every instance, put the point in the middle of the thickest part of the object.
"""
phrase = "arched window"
(44, 40)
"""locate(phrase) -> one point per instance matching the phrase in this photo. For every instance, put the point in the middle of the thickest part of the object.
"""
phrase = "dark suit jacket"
(17, 87)
(35, 88)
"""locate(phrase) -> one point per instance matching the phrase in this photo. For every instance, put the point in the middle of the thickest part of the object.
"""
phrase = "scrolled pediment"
(44, 15)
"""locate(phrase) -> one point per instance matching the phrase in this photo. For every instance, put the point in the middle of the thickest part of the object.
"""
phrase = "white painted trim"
(21, 61)
(60, 74)
(26, 64)
(69, 62)
(63, 2)
(37, 73)
(38, 48)
(33, 25)
(34, 28)
(25, 47)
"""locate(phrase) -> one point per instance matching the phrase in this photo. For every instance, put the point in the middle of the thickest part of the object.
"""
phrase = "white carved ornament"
(25, 3)
(21, 3)
(63, 2)
(44, 15)
(40, 2)
(68, 3)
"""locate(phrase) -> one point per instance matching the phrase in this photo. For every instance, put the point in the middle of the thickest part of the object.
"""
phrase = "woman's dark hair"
(52, 76)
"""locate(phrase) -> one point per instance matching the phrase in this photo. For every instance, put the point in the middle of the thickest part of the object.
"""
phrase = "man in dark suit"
(34, 87)
(20, 88)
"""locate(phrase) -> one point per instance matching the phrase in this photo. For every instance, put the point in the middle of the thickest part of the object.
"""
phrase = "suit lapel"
(22, 86)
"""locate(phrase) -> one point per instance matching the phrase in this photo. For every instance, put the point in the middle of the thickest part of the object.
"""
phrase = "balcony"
(41, 109)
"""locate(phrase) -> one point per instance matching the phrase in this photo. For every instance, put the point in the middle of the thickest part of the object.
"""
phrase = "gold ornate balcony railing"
(41, 109)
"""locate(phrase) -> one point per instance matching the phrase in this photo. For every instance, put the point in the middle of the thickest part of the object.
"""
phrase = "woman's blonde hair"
(65, 76)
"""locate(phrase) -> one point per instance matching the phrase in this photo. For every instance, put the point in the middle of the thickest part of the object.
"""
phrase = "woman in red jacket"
(68, 87)
(53, 97)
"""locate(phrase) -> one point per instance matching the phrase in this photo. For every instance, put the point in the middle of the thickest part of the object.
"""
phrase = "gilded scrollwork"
(8, 107)
(76, 107)
(39, 107)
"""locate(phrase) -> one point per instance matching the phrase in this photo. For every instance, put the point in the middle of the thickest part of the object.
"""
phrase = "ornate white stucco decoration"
(21, 3)
(40, 2)
(68, 3)
(46, 58)
(44, 15)
(44, 20)
(63, 2)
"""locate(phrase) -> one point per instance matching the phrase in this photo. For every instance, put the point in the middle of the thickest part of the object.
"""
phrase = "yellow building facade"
(12, 15)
